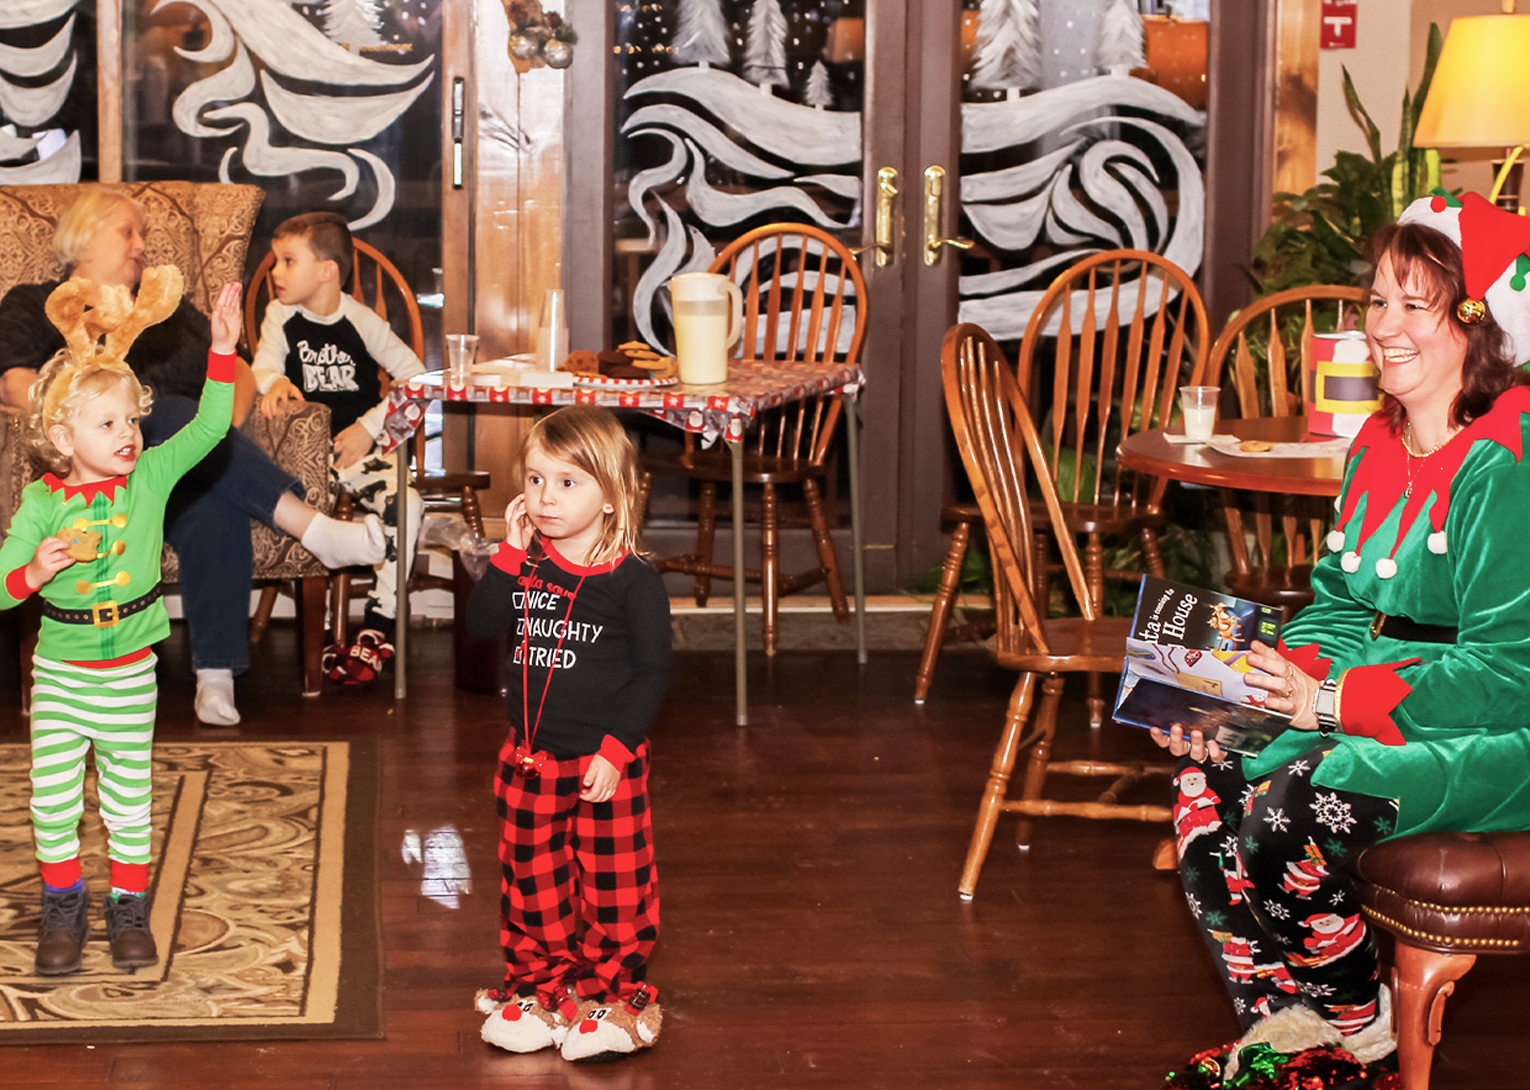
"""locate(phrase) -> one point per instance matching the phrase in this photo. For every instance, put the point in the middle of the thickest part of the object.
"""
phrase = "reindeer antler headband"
(116, 314)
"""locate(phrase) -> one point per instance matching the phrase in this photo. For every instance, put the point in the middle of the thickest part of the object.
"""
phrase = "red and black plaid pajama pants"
(567, 863)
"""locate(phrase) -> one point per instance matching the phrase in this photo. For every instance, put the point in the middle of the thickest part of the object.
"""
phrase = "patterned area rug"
(265, 903)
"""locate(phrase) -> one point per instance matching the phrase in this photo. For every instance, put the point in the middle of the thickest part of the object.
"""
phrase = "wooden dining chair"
(1277, 570)
(1121, 331)
(1007, 465)
(804, 301)
(377, 283)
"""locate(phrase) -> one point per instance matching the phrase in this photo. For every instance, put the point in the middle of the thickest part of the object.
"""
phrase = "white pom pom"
(1386, 567)
(1336, 541)
(1437, 542)
(1350, 562)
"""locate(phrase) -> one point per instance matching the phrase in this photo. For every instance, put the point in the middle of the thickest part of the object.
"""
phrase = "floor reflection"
(445, 871)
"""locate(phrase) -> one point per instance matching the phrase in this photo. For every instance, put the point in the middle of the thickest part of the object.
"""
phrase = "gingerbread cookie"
(1255, 446)
(82, 543)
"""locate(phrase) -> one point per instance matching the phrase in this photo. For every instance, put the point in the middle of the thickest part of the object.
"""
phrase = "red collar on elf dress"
(90, 490)
(1382, 476)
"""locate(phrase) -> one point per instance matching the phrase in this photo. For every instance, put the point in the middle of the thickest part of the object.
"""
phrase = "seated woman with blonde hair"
(100, 239)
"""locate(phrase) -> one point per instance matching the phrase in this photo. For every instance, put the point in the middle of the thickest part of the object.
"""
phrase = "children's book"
(1187, 663)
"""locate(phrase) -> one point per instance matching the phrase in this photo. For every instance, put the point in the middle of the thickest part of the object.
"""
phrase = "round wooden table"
(1150, 452)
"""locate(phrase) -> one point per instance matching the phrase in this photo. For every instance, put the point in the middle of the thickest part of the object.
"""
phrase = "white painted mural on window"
(721, 151)
(292, 93)
(38, 68)
(1101, 187)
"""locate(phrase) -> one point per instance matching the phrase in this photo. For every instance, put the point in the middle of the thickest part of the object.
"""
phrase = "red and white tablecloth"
(724, 410)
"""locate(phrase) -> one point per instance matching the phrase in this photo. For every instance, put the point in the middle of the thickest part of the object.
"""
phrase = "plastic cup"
(1199, 406)
(460, 350)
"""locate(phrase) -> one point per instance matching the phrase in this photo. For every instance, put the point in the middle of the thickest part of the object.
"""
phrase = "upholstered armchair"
(203, 229)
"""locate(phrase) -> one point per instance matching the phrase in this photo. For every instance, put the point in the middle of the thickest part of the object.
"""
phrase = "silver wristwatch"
(1325, 707)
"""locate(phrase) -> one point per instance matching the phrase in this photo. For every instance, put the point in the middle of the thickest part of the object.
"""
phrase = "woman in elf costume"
(87, 538)
(1405, 678)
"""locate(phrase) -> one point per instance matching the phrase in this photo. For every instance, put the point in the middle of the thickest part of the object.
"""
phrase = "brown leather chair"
(1445, 898)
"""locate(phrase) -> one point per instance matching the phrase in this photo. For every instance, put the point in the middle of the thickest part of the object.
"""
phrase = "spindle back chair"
(1006, 463)
(804, 302)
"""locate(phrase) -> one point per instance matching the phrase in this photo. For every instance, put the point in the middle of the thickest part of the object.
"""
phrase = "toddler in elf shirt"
(319, 343)
(88, 538)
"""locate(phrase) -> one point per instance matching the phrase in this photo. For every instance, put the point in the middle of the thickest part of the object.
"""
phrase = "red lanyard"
(527, 761)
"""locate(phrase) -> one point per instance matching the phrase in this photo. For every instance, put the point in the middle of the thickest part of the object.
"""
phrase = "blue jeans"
(207, 522)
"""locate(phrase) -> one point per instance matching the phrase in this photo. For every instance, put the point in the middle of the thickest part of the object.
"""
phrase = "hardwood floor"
(812, 932)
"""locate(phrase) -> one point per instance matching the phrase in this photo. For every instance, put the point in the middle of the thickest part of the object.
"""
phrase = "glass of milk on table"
(1199, 404)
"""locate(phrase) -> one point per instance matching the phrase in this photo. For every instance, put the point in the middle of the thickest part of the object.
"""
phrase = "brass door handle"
(887, 189)
(934, 191)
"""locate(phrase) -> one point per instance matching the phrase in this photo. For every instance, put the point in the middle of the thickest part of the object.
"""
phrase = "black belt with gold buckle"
(102, 614)
(1401, 628)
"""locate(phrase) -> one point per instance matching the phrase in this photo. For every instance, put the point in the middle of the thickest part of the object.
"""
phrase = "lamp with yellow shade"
(1480, 95)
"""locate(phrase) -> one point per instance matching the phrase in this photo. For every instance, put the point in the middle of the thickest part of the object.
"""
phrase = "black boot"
(62, 932)
(127, 929)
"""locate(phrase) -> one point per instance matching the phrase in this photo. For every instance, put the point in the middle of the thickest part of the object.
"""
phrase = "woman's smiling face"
(1414, 342)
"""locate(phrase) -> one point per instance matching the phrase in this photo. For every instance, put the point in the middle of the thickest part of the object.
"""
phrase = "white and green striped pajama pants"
(73, 709)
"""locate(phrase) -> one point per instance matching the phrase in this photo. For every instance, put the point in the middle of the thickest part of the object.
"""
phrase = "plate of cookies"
(630, 366)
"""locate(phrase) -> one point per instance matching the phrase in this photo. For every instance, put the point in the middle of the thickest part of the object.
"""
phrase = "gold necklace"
(1407, 439)
(1407, 442)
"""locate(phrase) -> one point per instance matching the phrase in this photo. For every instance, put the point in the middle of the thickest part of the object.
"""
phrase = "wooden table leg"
(401, 622)
(740, 669)
(857, 562)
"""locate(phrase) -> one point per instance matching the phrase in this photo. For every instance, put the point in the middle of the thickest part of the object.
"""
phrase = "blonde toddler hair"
(82, 219)
(86, 382)
(591, 438)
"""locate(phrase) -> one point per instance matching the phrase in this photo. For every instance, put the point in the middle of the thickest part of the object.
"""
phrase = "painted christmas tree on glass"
(701, 36)
(352, 22)
(1008, 53)
(1120, 46)
(765, 45)
(819, 95)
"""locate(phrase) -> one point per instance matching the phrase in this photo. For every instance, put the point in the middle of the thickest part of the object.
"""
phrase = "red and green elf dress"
(1445, 540)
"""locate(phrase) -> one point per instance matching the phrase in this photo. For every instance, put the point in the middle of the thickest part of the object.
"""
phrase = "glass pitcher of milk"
(709, 319)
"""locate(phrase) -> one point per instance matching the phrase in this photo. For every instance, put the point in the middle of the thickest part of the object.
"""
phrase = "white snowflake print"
(1277, 910)
(1277, 820)
(1338, 898)
(1239, 1006)
(1225, 764)
(1334, 812)
(1195, 905)
(1297, 768)
(1317, 991)
(1230, 847)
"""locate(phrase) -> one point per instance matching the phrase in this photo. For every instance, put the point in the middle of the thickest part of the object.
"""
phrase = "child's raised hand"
(351, 445)
(52, 556)
(281, 392)
(600, 780)
(226, 320)
(517, 525)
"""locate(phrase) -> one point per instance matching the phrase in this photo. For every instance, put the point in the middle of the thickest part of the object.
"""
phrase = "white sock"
(215, 698)
(341, 544)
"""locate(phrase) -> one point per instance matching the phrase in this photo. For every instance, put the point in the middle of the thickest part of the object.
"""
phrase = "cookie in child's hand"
(82, 543)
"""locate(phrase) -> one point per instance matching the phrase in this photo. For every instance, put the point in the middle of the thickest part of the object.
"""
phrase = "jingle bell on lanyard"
(528, 765)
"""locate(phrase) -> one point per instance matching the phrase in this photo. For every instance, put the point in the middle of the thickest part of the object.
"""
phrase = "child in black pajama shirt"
(590, 667)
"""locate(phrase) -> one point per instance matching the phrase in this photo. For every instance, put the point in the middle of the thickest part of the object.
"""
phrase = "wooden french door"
(698, 119)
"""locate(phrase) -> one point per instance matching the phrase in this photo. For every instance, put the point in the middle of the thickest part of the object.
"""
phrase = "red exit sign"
(1338, 24)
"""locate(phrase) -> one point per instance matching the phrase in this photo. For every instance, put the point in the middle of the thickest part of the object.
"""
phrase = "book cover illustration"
(1177, 614)
(1187, 663)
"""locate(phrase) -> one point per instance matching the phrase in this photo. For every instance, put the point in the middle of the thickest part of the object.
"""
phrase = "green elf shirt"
(1442, 727)
(129, 512)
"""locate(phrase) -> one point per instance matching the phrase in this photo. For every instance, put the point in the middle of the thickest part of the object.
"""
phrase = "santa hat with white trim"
(1495, 253)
